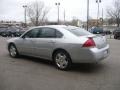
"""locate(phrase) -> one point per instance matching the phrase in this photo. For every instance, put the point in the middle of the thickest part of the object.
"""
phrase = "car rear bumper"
(91, 55)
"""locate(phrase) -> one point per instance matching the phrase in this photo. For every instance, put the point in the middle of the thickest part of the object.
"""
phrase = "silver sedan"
(61, 44)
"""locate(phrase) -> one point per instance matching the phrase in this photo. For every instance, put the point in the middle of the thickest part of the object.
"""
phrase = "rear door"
(45, 42)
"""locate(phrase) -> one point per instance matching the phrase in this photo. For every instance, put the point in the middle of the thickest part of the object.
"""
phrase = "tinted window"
(117, 30)
(58, 34)
(2, 29)
(32, 33)
(47, 33)
(97, 31)
(78, 31)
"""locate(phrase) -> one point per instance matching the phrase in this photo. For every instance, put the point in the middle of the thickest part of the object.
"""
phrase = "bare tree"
(37, 13)
(114, 12)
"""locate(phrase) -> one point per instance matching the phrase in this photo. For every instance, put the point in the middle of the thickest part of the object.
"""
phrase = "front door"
(26, 42)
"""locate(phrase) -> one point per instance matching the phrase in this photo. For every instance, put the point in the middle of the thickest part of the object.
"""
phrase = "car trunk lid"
(100, 41)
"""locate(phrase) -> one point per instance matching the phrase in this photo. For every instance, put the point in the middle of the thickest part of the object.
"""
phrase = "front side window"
(32, 34)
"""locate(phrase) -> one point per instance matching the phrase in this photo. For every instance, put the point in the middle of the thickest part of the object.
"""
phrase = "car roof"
(50, 26)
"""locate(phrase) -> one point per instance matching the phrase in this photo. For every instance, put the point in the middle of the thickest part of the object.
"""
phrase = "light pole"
(102, 17)
(87, 15)
(58, 4)
(98, 2)
(64, 16)
(25, 7)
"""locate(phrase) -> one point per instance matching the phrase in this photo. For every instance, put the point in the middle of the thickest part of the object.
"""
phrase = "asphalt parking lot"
(27, 73)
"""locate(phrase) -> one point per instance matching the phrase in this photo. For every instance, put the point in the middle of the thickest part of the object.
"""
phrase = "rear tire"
(62, 60)
(13, 51)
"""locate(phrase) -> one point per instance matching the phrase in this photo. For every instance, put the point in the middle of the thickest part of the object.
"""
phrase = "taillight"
(89, 43)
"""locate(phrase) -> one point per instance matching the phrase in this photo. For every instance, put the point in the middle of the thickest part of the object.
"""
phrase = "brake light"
(89, 43)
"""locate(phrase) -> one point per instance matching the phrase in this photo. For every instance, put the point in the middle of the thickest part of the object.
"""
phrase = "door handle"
(51, 42)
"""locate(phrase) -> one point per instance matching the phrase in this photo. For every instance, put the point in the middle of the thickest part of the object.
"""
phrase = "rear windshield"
(78, 31)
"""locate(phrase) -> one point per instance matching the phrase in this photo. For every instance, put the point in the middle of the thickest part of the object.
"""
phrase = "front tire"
(115, 37)
(62, 60)
(13, 51)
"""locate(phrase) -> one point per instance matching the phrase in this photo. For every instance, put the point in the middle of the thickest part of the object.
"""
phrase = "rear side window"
(47, 33)
(50, 33)
(59, 34)
(78, 31)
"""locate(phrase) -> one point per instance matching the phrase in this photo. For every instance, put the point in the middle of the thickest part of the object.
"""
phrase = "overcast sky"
(13, 10)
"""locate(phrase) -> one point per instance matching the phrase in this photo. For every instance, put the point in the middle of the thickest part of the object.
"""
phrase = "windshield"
(78, 31)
